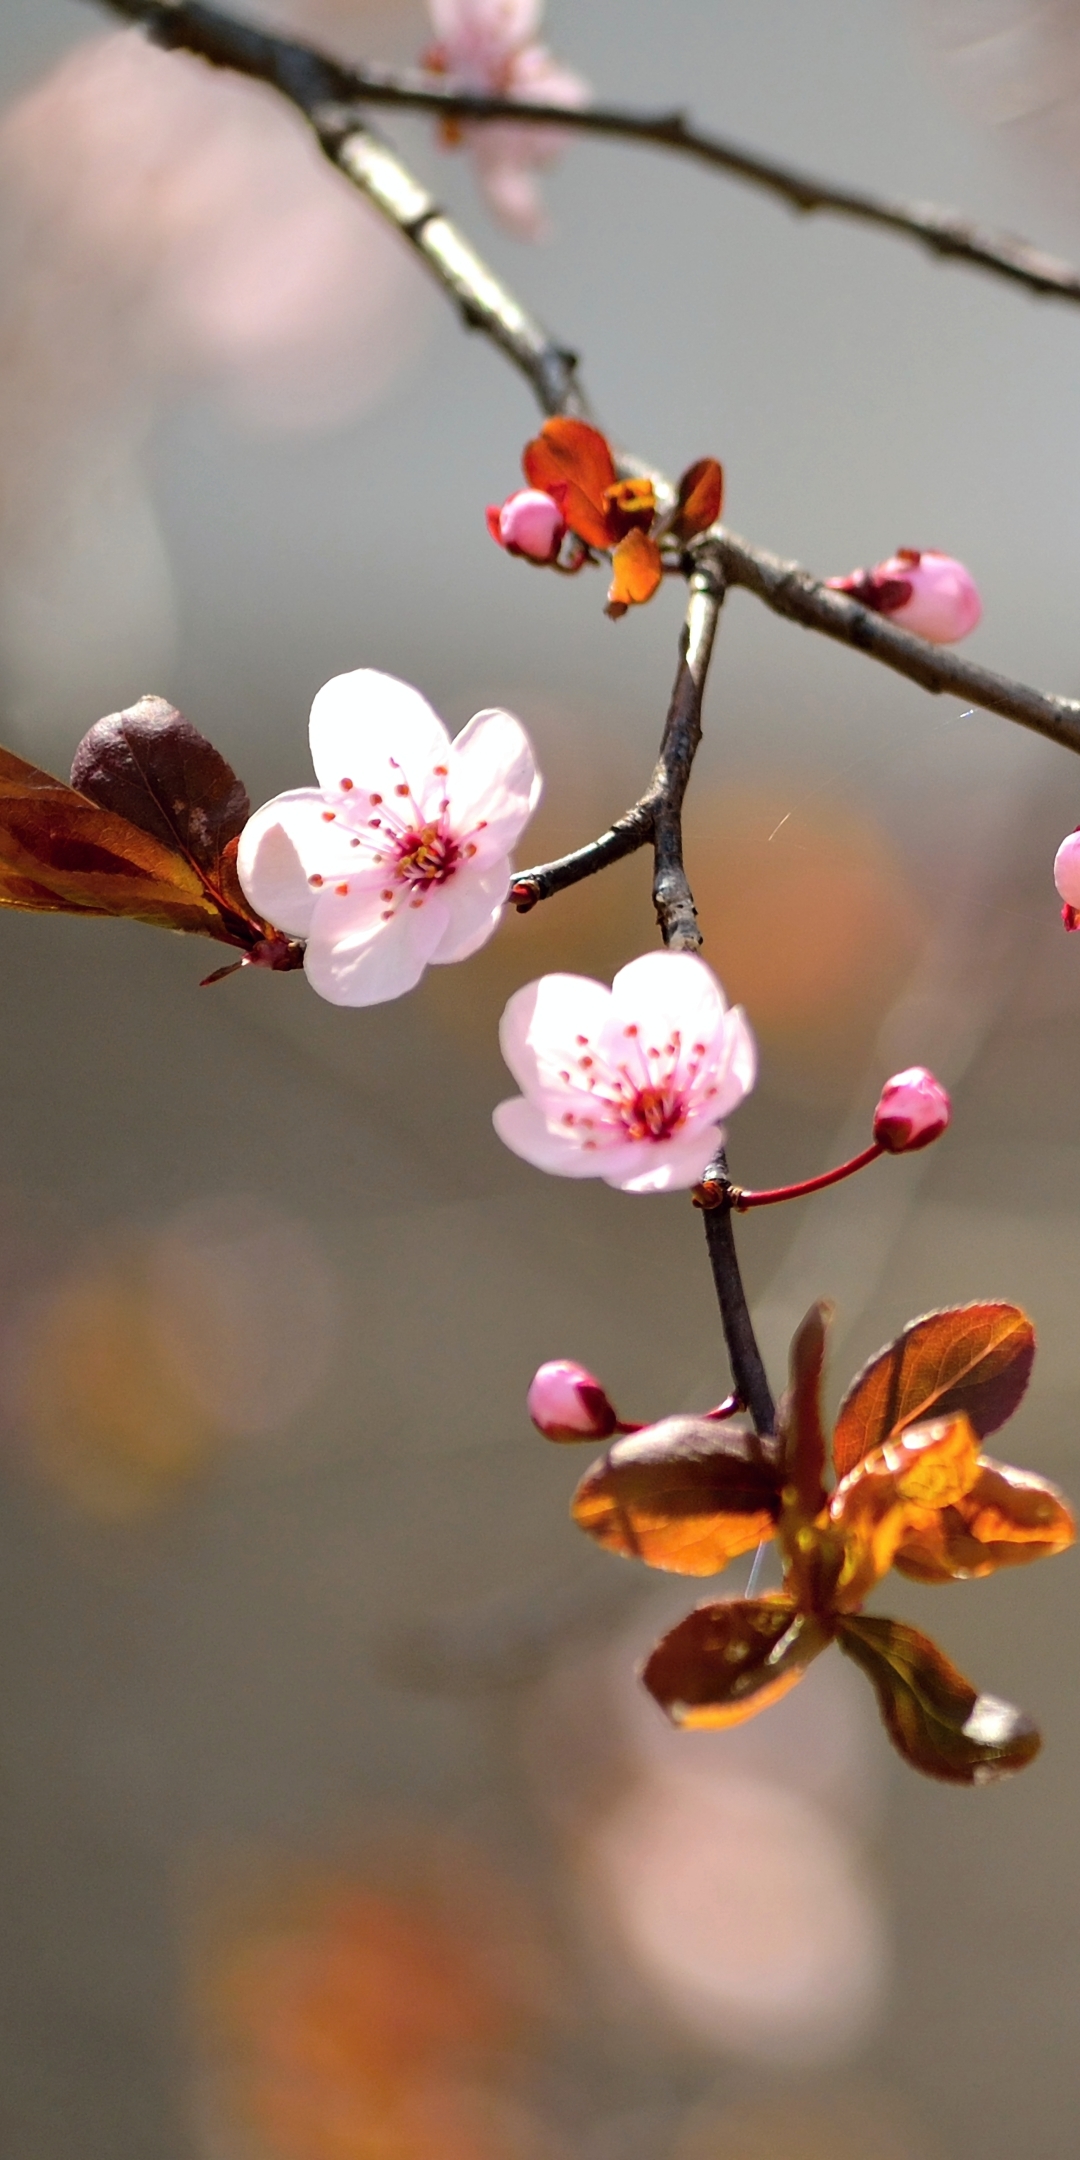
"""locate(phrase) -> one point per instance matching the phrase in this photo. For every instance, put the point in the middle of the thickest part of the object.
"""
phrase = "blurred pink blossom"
(930, 594)
(187, 220)
(400, 857)
(566, 1403)
(491, 45)
(913, 1110)
(626, 1084)
(529, 523)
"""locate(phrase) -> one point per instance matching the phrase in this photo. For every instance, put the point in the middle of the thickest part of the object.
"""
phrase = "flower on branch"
(573, 478)
(566, 1403)
(491, 46)
(1067, 879)
(914, 1492)
(529, 523)
(913, 1109)
(400, 858)
(626, 1084)
(930, 594)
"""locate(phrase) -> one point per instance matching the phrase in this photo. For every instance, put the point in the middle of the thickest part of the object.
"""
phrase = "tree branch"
(657, 814)
(791, 591)
(747, 1367)
(942, 232)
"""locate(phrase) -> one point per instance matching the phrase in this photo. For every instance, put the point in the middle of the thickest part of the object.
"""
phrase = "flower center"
(426, 856)
(651, 1113)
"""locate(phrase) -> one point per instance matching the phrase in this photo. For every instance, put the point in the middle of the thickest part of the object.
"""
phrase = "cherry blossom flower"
(625, 1084)
(529, 523)
(491, 45)
(913, 1109)
(930, 594)
(400, 857)
(1067, 879)
(567, 1403)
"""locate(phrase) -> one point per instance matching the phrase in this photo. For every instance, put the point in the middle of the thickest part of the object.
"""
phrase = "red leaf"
(636, 569)
(724, 1663)
(572, 455)
(701, 499)
(975, 1358)
(686, 1494)
(934, 1717)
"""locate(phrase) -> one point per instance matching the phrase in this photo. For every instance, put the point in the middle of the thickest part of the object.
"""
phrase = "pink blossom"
(626, 1084)
(566, 1403)
(925, 592)
(913, 1109)
(1067, 879)
(491, 45)
(529, 523)
(400, 858)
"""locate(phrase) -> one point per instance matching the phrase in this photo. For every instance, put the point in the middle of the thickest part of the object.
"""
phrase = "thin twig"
(791, 591)
(320, 88)
(747, 1368)
(657, 814)
(943, 232)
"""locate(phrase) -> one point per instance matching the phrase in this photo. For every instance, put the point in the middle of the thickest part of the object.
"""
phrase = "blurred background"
(332, 1823)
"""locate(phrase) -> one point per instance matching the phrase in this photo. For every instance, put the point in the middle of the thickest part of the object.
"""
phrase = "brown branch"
(714, 1197)
(657, 814)
(943, 232)
(791, 591)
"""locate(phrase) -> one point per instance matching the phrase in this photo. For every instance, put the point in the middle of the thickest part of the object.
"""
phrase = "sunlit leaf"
(975, 1358)
(688, 1494)
(636, 571)
(933, 1716)
(701, 498)
(152, 767)
(725, 1662)
(571, 455)
(1007, 1517)
(59, 851)
(630, 504)
(897, 1491)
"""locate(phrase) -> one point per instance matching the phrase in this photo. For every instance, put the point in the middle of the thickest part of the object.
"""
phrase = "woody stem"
(747, 1366)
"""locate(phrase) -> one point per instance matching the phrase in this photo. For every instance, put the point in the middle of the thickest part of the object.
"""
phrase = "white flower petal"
(500, 23)
(667, 1166)
(493, 781)
(666, 993)
(737, 1071)
(281, 848)
(360, 722)
(524, 1129)
(539, 1028)
(354, 957)
(474, 903)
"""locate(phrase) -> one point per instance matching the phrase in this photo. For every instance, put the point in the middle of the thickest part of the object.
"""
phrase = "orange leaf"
(1007, 1517)
(701, 499)
(687, 1494)
(724, 1663)
(571, 455)
(933, 1716)
(630, 506)
(898, 1488)
(975, 1358)
(636, 572)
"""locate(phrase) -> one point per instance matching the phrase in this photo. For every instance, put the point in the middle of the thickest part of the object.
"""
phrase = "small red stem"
(742, 1200)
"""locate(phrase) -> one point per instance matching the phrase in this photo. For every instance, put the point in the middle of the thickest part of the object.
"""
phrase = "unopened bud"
(1067, 879)
(930, 594)
(529, 523)
(566, 1403)
(913, 1110)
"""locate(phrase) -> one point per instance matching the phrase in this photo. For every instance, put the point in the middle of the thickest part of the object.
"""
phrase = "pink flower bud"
(566, 1403)
(913, 1110)
(1067, 879)
(530, 523)
(930, 594)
